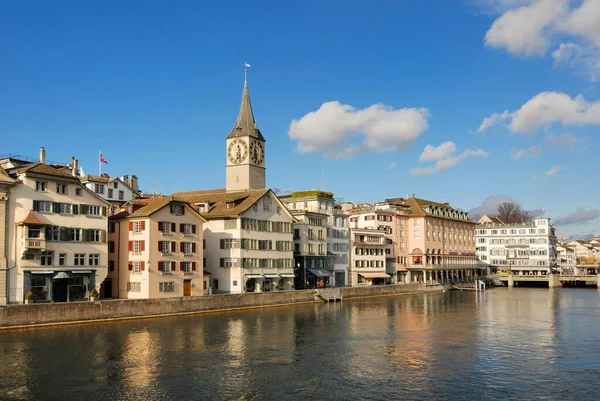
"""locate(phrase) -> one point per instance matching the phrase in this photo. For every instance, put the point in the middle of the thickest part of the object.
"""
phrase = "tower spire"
(245, 124)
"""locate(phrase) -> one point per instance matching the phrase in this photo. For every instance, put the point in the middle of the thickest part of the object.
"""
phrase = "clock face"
(257, 152)
(237, 151)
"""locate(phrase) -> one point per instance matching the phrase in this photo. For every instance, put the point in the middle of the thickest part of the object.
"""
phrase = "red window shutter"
(173, 266)
(193, 229)
(173, 227)
(181, 266)
(130, 266)
(193, 247)
(142, 265)
(131, 226)
(130, 246)
(143, 225)
(193, 266)
(173, 246)
(181, 247)
(142, 246)
(181, 227)
(160, 246)
(160, 225)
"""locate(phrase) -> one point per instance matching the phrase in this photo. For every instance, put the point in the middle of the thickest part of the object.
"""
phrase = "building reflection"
(139, 359)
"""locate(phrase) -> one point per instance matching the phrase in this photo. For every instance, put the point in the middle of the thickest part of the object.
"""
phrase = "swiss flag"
(102, 159)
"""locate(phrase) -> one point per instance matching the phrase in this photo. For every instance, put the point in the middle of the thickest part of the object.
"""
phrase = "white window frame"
(133, 286)
(137, 266)
(41, 186)
(79, 259)
(62, 189)
(94, 259)
(94, 210)
(167, 286)
(164, 266)
(187, 248)
(137, 226)
(45, 206)
(137, 246)
(96, 235)
(99, 189)
(165, 247)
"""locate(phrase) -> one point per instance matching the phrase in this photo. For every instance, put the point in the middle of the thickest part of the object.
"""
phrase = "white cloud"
(553, 171)
(522, 153)
(546, 108)
(531, 28)
(579, 216)
(342, 131)
(392, 166)
(445, 162)
(431, 153)
(493, 120)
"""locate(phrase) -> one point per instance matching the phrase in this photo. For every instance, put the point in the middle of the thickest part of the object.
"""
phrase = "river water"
(520, 343)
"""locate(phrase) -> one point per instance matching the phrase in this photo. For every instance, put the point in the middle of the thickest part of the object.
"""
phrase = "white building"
(321, 239)
(527, 248)
(368, 257)
(248, 234)
(567, 259)
(57, 233)
(113, 189)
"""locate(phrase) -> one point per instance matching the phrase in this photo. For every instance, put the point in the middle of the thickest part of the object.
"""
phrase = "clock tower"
(245, 151)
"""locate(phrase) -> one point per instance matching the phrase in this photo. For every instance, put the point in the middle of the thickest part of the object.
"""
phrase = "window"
(111, 246)
(115, 184)
(99, 188)
(187, 248)
(417, 223)
(79, 259)
(137, 266)
(417, 233)
(267, 203)
(94, 235)
(164, 267)
(78, 191)
(110, 193)
(137, 246)
(94, 259)
(188, 229)
(166, 287)
(134, 287)
(62, 259)
(75, 234)
(164, 247)
(93, 210)
(52, 233)
(63, 208)
(41, 186)
(186, 267)
(61, 189)
(46, 259)
(177, 210)
(542, 231)
(164, 227)
(121, 195)
(111, 227)
(42, 206)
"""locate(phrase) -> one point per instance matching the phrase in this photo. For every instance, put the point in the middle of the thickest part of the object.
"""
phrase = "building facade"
(113, 189)
(57, 247)
(155, 250)
(567, 259)
(6, 184)
(520, 249)
(368, 257)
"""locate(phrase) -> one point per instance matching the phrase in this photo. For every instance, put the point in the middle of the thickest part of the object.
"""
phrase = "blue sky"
(450, 100)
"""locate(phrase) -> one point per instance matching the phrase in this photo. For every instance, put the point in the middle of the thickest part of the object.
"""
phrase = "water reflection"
(504, 343)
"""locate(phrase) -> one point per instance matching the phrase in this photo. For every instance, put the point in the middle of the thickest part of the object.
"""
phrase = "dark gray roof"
(245, 125)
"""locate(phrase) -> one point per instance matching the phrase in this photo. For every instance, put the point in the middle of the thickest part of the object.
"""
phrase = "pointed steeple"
(245, 125)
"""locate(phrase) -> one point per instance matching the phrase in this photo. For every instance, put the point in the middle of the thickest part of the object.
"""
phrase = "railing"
(34, 243)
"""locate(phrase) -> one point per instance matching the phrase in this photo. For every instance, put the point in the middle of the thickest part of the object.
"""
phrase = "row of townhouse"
(68, 233)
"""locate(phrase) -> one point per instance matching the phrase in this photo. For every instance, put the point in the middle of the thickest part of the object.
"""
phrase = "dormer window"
(230, 205)
(41, 186)
(177, 210)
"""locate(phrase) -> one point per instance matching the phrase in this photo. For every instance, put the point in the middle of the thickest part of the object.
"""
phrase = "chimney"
(125, 179)
(74, 167)
(133, 183)
(42, 155)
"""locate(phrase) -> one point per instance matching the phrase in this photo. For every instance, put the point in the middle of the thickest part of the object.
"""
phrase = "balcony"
(34, 243)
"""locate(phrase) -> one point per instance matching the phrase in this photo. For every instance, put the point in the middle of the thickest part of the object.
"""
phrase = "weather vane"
(246, 66)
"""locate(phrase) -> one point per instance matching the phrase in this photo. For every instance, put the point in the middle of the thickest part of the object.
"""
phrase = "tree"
(511, 213)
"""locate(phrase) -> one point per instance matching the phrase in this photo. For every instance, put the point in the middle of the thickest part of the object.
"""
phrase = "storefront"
(318, 278)
(372, 278)
(59, 286)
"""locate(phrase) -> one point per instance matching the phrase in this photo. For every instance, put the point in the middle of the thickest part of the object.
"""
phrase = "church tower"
(245, 151)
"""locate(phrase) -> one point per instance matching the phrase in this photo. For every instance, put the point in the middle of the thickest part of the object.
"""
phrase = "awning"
(287, 275)
(320, 272)
(374, 275)
(271, 275)
(61, 275)
(44, 272)
(254, 276)
(81, 271)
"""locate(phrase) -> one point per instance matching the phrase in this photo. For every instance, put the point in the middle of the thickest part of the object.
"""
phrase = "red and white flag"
(543, 209)
(102, 159)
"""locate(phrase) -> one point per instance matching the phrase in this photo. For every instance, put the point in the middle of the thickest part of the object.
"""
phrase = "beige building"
(6, 184)
(113, 189)
(248, 237)
(57, 245)
(441, 242)
(155, 250)
(368, 257)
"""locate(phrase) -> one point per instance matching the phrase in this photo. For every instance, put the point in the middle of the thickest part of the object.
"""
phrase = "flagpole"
(100, 164)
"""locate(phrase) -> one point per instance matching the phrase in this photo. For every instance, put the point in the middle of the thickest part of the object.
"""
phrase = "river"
(521, 343)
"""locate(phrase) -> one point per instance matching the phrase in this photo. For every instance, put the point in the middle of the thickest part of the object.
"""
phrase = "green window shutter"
(64, 234)
(86, 235)
(103, 210)
(36, 206)
(222, 241)
(85, 209)
(55, 207)
(222, 261)
(75, 208)
(103, 235)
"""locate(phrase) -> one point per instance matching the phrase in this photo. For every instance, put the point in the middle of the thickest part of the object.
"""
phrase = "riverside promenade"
(51, 314)
(553, 280)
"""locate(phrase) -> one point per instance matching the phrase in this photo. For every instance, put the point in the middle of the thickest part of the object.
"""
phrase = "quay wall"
(13, 316)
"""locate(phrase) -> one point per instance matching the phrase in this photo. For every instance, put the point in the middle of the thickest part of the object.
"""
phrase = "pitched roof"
(206, 273)
(417, 207)
(245, 125)
(144, 207)
(96, 178)
(222, 203)
(33, 219)
(4, 178)
(45, 169)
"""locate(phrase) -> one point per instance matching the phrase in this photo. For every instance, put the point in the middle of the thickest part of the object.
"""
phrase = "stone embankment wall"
(58, 313)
